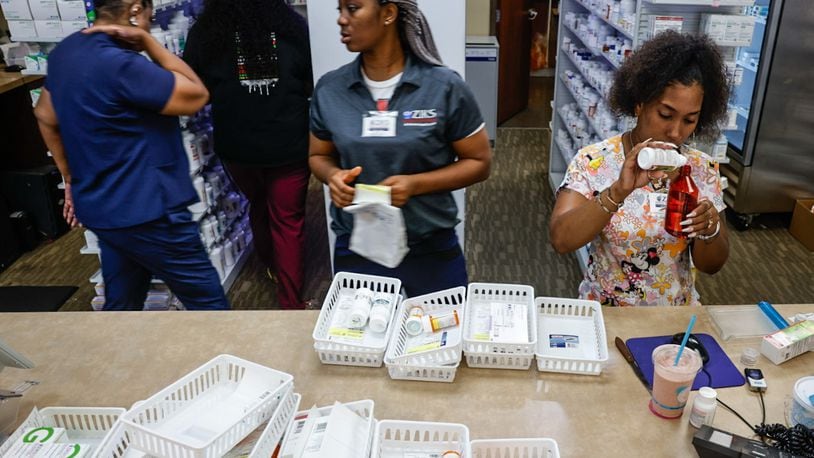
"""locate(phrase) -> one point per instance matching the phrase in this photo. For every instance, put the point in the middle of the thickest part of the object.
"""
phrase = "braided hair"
(414, 31)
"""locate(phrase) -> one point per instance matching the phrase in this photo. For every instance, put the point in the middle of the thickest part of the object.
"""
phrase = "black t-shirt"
(258, 128)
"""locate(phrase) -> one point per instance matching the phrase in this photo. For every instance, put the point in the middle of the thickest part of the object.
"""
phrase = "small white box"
(747, 30)
(44, 10)
(16, 10)
(48, 29)
(63, 450)
(69, 27)
(714, 25)
(22, 30)
(72, 10)
(788, 343)
(661, 23)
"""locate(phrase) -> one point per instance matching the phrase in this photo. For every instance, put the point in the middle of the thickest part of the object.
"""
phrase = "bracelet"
(598, 199)
(713, 235)
(608, 195)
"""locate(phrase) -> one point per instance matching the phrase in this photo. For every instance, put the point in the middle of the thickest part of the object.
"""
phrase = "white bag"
(378, 233)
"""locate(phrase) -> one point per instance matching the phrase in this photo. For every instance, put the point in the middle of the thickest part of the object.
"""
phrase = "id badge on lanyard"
(380, 123)
(658, 204)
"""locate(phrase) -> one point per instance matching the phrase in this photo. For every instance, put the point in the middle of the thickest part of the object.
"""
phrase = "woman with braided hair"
(397, 117)
(676, 86)
(254, 57)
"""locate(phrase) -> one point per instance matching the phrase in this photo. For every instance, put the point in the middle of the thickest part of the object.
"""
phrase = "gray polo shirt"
(435, 108)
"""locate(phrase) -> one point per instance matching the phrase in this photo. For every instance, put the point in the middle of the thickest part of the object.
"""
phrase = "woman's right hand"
(339, 184)
(632, 177)
(132, 37)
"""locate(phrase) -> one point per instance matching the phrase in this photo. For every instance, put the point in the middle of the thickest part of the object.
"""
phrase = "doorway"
(527, 33)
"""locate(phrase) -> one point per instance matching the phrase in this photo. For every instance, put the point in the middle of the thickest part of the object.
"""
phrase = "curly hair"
(254, 19)
(669, 58)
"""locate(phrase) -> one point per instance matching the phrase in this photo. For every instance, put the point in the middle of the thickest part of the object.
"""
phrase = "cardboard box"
(48, 29)
(69, 27)
(802, 223)
(788, 343)
(72, 10)
(44, 10)
(21, 30)
(16, 10)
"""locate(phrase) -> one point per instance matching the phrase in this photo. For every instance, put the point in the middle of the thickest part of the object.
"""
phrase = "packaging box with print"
(802, 223)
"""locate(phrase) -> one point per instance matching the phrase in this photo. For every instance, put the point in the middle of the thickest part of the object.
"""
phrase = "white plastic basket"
(208, 411)
(277, 426)
(515, 448)
(494, 355)
(452, 299)
(444, 373)
(362, 408)
(582, 321)
(86, 425)
(394, 437)
(332, 352)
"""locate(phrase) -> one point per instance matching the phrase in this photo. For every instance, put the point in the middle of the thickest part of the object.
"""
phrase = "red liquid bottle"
(682, 199)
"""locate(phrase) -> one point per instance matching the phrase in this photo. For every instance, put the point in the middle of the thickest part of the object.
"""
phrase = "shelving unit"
(638, 31)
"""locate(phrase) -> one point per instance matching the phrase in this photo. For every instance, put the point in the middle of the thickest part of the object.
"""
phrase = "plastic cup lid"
(804, 392)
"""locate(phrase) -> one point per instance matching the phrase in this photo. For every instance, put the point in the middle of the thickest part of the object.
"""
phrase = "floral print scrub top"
(634, 261)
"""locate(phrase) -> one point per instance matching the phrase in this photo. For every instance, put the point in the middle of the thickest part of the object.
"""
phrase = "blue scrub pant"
(169, 248)
(431, 265)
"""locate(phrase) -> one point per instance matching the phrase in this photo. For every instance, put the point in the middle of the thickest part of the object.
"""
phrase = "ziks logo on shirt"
(421, 117)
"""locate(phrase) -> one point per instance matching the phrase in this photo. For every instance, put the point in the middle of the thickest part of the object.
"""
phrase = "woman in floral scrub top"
(676, 86)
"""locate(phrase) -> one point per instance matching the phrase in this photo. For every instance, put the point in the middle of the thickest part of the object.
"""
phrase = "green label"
(33, 435)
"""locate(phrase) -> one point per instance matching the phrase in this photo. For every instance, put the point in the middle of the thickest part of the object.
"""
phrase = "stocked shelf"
(565, 152)
(714, 3)
(582, 109)
(579, 69)
(594, 51)
(617, 27)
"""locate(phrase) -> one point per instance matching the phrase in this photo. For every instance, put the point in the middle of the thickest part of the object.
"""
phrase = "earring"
(133, 21)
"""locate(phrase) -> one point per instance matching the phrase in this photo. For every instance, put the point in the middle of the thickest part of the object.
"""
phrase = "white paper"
(71, 10)
(44, 10)
(379, 233)
(509, 323)
(16, 10)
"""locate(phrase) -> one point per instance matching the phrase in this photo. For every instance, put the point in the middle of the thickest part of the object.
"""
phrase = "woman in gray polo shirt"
(430, 142)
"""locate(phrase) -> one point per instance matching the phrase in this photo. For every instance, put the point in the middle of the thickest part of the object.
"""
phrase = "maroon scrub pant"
(277, 213)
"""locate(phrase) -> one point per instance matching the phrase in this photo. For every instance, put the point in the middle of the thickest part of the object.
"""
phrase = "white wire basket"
(571, 336)
(86, 425)
(363, 408)
(208, 411)
(395, 437)
(443, 373)
(515, 448)
(433, 365)
(497, 355)
(277, 426)
(347, 354)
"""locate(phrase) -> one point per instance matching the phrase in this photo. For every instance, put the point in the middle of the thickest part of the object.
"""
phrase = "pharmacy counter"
(115, 359)
(13, 80)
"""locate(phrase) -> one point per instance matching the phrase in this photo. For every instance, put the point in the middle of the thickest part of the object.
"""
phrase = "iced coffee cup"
(672, 383)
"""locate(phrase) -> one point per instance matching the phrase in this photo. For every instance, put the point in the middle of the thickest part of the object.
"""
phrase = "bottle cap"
(413, 325)
(707, 393)
(378, 319)
(749, 357)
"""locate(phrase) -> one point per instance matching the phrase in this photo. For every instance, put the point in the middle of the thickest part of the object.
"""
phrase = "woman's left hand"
(402, 188)
(702, 220)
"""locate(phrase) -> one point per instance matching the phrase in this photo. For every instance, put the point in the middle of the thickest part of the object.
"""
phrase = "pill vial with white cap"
(433, 323)
(380, 311)
(660, 159)
(703, 407)
(413, 324)
(360, 310)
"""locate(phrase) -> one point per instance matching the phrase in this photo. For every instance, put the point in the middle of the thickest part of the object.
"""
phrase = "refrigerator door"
(782, 165)
(752, 70)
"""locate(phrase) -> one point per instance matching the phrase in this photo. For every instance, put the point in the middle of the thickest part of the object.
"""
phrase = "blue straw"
(684, 340)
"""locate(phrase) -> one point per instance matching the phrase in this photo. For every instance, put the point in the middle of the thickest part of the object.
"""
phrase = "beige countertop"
(114, 359)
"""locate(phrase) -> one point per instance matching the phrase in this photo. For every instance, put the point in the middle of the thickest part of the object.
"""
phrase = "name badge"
(658, 203)
(379, 124)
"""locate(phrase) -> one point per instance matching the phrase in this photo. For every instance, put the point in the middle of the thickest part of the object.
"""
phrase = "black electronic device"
(755, 379)
(710, 442)
(36, 191)
(694, 343)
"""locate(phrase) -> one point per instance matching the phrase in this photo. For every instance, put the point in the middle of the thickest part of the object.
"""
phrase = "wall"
(478, 17)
